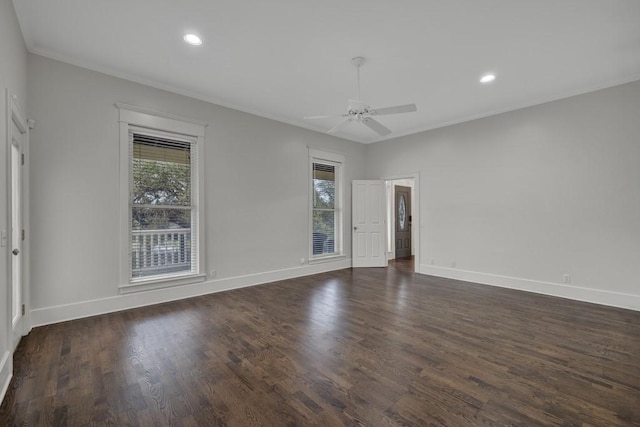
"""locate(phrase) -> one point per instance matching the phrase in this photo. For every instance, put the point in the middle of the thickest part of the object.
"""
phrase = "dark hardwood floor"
(403, 264)
(372, 347)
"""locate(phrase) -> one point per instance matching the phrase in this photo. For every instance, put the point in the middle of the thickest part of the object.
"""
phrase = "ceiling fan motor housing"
(357, 108)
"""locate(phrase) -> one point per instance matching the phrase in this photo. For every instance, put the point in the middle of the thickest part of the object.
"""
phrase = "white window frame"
(132, 118)
(337, 160)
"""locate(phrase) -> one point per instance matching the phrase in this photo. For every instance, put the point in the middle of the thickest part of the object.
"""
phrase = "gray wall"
(531, 195)
(13, 75)
(256, 183)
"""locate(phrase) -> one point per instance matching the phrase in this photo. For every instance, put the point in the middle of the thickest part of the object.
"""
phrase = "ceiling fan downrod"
(358, 61)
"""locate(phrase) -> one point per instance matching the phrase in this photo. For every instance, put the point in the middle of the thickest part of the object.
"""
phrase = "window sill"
(140, 285)
(328, 258)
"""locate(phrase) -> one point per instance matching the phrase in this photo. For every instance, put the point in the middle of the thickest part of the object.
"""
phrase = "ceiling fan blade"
(408, 108)
(337, 127)
(378, 127)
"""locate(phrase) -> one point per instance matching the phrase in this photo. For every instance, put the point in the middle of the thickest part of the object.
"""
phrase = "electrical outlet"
(302, 261)
(433, 261)
(213, 273)
(566, 278)
(453, 264)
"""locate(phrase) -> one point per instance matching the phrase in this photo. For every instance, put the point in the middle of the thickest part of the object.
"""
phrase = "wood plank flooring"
(361, 347)
(403, 264)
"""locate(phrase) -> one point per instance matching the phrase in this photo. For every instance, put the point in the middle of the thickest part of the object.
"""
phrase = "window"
(161, 200)
(326, 204)
(161, 208)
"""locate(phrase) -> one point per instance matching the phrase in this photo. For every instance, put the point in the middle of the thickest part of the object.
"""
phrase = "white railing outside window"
(160, 251)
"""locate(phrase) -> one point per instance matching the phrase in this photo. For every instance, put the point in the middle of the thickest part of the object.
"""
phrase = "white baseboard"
(5, 373)
(61, 313)
(597, 296)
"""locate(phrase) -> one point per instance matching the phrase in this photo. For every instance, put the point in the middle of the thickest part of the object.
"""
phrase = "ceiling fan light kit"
(359, 112)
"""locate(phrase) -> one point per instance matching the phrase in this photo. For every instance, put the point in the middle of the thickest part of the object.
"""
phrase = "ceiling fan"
(358, 111)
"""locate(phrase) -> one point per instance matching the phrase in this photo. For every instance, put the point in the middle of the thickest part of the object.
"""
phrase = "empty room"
(320, 213)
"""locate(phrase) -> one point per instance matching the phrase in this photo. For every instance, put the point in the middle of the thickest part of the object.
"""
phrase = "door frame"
(415, 220)
(15, 115)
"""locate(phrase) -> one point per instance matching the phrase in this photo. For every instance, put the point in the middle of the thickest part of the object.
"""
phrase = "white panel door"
(368, 222)
(18, 131)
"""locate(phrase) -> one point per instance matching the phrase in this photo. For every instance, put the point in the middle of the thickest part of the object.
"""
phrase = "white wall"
(256, 190)
(13, 75)
(522, 198)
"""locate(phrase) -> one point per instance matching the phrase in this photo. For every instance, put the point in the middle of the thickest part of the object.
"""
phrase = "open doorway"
(402, 223)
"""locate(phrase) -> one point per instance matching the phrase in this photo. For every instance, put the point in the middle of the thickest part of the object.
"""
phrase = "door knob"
(15, 252)
(355, 228)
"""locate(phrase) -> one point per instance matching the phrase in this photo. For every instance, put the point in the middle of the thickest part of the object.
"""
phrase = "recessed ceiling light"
(487, 78)
(192, 39)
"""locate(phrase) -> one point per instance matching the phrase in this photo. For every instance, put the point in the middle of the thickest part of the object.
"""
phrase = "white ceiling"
(285, 59)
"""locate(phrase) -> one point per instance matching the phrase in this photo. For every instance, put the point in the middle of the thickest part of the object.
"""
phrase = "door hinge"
(22, 157)
(23, 309)
(23, 234)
